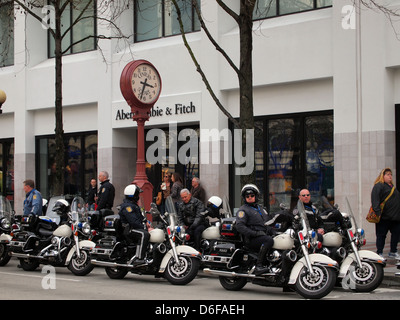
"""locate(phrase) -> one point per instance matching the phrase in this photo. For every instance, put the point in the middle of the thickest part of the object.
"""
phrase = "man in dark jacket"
(106, 192)
(191, 216)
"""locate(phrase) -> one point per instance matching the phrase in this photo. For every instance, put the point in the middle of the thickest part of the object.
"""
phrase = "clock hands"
(145, 84)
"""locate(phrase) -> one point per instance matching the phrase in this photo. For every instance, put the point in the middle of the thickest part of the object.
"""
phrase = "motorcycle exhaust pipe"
(25, 256)
(112, 264)
(229, 273)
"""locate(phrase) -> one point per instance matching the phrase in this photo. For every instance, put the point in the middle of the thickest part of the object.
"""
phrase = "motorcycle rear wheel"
(81, 266)
(367, 278)
(183, 272)
(317, 286)
(232, 284)
(29, 264)
(116, 272)
(4, 255)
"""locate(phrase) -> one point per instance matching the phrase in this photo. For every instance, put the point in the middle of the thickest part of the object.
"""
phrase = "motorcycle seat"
(45, 232)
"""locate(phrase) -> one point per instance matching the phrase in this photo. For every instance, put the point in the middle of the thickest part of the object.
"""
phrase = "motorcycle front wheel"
(365, 279)
(316, 285)
(81, 266)
(4, 255)
(116, 272)
(183, 271)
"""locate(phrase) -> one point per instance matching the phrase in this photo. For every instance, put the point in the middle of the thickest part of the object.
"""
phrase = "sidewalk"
(390, 278)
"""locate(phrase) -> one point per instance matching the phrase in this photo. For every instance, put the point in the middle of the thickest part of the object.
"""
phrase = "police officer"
(191, 215)
(313, 215)
(106, 192)
(132, 219)
(251, 222)
(33, 201)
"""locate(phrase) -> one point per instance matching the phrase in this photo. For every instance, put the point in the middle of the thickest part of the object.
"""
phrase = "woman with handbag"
(384, 193)
(163, 191)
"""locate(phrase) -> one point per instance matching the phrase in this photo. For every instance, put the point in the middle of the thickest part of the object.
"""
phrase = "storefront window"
(80, 163)
(178, 156)
(292, 153)
(7, 169)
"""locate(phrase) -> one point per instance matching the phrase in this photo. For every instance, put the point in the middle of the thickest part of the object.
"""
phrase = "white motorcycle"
(7, 225)
(179, 264)
(42, 241)
(360, 270)
(290, 264)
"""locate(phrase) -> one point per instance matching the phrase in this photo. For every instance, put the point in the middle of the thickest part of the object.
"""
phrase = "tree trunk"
(59, 131)
(246, 77)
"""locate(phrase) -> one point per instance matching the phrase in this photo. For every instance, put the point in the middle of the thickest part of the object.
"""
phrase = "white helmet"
(215, 201)
(132, 192)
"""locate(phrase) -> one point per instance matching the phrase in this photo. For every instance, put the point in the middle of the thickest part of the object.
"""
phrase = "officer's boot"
(260, 268)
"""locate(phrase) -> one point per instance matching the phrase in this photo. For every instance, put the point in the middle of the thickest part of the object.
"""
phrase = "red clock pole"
(141, 86)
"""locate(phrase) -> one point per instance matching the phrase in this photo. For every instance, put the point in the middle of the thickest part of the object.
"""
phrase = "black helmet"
(250, 189)
(61, 207)
(132, 192)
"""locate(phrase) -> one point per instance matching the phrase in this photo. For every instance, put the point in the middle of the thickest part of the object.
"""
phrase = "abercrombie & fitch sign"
(156, 111)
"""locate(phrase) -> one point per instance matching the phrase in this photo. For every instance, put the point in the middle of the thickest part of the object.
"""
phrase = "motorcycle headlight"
(86, 228)
(5, 224)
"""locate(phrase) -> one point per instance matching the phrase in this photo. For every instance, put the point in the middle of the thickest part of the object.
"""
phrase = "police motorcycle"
(8, 224)
(53, 239)
(290, 265)
(179, 264)
(360, 270)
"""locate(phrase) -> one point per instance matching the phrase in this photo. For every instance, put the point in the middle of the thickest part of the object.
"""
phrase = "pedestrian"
(197, 190)
(106, 193)
(390, 215)
(163, 191)
(177, 186)
(91, 195)
(33, 201)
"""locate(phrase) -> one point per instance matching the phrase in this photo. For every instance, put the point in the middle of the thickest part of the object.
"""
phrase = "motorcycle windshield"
(354, 226)
(303, 216)
(171, 209)
(78, 209)
(226, 208)
(49, 212)
(5, 208)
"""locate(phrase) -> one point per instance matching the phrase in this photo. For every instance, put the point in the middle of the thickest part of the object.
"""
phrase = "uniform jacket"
(33, 203)
(314, 219)
(130, 214)
(106, 195)
(251, 219)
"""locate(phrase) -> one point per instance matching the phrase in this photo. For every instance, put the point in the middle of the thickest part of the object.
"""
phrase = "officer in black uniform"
(131, 215)
(251, 222)
(106, 192)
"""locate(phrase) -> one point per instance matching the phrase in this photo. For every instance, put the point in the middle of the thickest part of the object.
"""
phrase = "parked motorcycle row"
(68, 235)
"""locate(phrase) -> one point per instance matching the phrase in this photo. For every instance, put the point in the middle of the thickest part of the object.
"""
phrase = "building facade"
(326, 89)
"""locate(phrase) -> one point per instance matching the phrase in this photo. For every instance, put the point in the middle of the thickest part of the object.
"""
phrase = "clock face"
(146, 84)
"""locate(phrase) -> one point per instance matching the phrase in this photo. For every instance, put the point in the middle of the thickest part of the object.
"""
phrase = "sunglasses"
(251, 195)
(305, 195)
